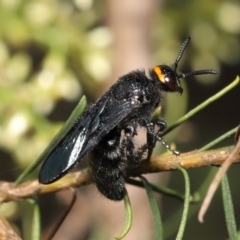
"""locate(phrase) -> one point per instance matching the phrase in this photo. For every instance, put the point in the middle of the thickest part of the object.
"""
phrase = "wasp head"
(168, 76)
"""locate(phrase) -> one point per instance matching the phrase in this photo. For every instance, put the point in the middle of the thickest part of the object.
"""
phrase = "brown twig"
(6, 230)
(9, 192)
(186, 160)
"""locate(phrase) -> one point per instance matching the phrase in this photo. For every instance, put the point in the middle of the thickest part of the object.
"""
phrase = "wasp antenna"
(180, 53)
(199, 72)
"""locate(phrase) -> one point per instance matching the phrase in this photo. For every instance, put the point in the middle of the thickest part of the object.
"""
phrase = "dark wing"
(85, 134)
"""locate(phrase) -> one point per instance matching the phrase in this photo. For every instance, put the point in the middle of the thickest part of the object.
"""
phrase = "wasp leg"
(154, 133)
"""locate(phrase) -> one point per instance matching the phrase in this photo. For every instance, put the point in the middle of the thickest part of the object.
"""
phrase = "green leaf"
(203, 105)
(170, 225)
(129, 217)
(186, 205)
(228, 209)
(159, 189)
(155, 210)
(219, 139)
(36, 221)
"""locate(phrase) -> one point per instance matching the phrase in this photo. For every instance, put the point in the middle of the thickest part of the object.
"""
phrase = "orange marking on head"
(159, 73)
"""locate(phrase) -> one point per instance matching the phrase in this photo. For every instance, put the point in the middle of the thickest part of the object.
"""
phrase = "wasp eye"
(172, 84)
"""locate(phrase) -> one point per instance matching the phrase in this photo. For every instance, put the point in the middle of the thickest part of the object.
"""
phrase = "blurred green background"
(52, 52)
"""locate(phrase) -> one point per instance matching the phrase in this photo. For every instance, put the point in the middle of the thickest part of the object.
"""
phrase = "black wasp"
(106, 129)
